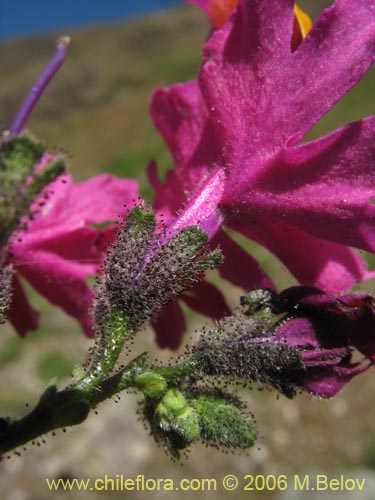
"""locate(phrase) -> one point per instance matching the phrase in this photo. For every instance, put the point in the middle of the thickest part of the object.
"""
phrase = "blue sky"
(19, 18)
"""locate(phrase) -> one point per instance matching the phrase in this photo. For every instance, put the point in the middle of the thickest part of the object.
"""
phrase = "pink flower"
(61, 247)
(244, 121)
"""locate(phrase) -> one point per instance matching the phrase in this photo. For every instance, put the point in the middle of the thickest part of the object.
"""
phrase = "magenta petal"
(58, 250)
(331, 267)
(239, 267)
(169, 326)
(337, 52)
(103, 197)
(79, 245)
(299, 332)
(324, 335)
(169, 197)
(62, 282)
(206, 299)
(324, 187)
(180, 114)
(94, 201)
(251, 77)
(327, 382)
(202, 210)
(240, 76)
(56, 263)
(324, 357)
(22, 316)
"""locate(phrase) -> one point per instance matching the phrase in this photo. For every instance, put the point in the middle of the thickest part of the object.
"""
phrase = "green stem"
(60, 409)
(106, 354)
(71, 406)
(54, 410)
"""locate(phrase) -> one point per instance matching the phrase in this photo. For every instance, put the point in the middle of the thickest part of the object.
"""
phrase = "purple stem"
(39, 87)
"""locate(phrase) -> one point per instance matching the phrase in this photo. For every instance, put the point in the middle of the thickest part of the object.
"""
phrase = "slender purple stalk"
(40, 85)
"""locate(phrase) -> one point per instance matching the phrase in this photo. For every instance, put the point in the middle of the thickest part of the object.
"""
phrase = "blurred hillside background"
(96, 111)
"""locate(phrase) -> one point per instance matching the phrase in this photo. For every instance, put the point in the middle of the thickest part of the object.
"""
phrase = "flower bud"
(144, 270)
(223, 420)
(175, 422)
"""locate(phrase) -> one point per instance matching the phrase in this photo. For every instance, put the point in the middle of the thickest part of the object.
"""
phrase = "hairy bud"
(172, 421)
(243, 347)
(223, 420)
(144, 271)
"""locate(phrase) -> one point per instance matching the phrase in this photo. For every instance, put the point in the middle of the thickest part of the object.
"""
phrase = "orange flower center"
(220, 10)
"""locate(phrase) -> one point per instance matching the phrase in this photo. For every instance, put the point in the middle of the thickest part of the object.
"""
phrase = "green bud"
(173, 403)
(188, 424)
(48, 174)
(257, 301)
(20, 182)
(175, 422)
(223, 421)
(141, 218)
(17, 158)
(151, 384)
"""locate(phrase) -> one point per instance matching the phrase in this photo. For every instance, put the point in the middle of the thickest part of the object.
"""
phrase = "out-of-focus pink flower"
(61, 246)
(257, 97)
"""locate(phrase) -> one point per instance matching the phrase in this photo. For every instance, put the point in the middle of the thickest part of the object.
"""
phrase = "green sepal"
(141, 218)
(214, 259)
(258, 302)
(48, 174)
(189, 241)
